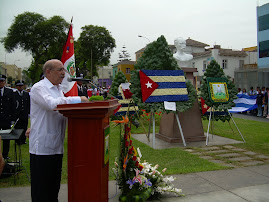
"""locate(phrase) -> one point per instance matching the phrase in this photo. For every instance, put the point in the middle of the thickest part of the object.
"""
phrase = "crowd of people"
(262, 95)
(91, 90)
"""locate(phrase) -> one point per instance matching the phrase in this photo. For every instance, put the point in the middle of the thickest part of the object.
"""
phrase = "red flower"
(134, 158)
(131, 142)
(128, 129)
(127, 93)
(131, 150)
(140, 167)
(126, 143)
(136, 163)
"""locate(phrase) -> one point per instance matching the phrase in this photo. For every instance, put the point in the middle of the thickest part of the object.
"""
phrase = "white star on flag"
(149, 85)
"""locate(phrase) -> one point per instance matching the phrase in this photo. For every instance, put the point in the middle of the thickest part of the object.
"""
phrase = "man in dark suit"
(82, 91)
(7, 111)
(22, 109)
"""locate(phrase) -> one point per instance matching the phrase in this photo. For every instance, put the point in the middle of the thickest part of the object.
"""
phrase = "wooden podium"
(88, 146)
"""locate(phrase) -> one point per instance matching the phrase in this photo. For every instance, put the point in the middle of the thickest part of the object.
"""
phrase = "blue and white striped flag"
(244, 103)
(163, 85)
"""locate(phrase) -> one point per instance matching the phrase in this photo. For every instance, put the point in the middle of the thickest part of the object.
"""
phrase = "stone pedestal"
(191, 124)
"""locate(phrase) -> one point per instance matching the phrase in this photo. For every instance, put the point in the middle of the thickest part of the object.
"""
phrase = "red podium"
(88, 146)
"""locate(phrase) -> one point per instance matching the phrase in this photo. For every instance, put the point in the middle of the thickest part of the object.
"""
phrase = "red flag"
(204, 106)
(68, 59)
(147, 85)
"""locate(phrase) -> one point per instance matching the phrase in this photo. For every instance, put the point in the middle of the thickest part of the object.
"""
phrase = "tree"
(119, 79)
(158, 56)
(124, 55)
(94, 47)
(215, 71)
(43, 38)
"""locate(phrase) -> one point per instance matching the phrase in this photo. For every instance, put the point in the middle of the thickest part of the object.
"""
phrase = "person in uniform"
(22, 109)
(82, 91)
(7, 111)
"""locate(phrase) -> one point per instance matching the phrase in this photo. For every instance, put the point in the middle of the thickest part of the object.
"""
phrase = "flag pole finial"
(71, 19)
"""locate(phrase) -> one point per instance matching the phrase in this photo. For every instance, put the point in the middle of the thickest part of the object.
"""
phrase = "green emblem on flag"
(71, 68)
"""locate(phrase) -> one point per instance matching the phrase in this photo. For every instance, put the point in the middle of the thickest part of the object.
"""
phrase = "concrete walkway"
(239, 184)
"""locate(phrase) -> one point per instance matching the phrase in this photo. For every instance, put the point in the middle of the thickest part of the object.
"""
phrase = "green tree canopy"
(215, 71)
(119, 79)
(94, 43)
(158, 56)
(43, 38)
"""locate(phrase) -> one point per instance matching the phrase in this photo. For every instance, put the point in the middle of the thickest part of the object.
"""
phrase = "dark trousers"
(5, 124)
(45, 177)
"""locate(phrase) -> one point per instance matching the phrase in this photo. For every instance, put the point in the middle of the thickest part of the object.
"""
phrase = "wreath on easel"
(214, 75)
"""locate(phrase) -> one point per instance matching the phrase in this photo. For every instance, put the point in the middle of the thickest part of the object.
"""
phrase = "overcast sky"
(229, 23)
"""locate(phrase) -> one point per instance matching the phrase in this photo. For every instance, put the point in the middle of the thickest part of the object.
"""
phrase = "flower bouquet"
(138, 181)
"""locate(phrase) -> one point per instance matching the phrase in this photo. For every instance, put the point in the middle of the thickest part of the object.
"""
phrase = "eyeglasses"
(60, 69)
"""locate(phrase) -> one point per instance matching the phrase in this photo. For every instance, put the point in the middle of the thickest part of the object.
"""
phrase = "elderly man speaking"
(47, 132)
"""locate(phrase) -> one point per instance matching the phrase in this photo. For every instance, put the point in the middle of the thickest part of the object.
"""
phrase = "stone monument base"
(191, 124)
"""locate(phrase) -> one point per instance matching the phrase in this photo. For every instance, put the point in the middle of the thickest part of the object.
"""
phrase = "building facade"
(230, 60)
(126, 66)
(11, 71)
(105, 76)
(258, 75)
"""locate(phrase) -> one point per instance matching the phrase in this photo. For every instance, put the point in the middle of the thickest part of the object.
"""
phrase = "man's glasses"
(60, 69)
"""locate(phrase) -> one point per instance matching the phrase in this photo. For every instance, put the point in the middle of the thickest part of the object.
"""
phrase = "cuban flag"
(163, 85)
(68, 59)
(244, 103)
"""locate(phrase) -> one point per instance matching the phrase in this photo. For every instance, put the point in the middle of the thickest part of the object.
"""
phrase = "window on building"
(241, 64)
(204, 65)
(263, 22)
(264, 49)
(127, 70)
(193, 64)
(224, 64)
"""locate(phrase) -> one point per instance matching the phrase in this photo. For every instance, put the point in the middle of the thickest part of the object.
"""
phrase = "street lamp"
(144, 37)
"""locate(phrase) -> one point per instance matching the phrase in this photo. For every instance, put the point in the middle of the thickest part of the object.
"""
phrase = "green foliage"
(43, 38)
(96, 98)
(214, 70)
(9, 79)
(94, 42)
(119, 79)
(158, 56)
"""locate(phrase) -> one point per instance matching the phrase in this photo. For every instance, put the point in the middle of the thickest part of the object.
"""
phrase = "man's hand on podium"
(27, 133)
(84, 99)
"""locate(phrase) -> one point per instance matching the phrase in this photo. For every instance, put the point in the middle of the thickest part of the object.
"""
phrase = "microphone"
(70, 79)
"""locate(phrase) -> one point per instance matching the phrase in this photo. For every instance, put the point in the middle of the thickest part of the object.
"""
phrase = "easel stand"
(152, 117)
(209, 121)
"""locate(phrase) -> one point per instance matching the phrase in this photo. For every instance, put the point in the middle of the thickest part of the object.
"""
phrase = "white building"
(105, 75)
(228, 59)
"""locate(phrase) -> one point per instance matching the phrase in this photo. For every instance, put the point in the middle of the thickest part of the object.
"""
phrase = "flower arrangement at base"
(138, 181)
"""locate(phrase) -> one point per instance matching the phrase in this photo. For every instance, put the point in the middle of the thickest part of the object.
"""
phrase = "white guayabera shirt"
(47, 126)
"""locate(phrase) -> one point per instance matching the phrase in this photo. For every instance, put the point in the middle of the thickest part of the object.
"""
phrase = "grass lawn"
(175, 159)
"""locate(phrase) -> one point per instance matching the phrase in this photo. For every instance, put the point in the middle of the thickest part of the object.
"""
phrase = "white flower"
(168, 179)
